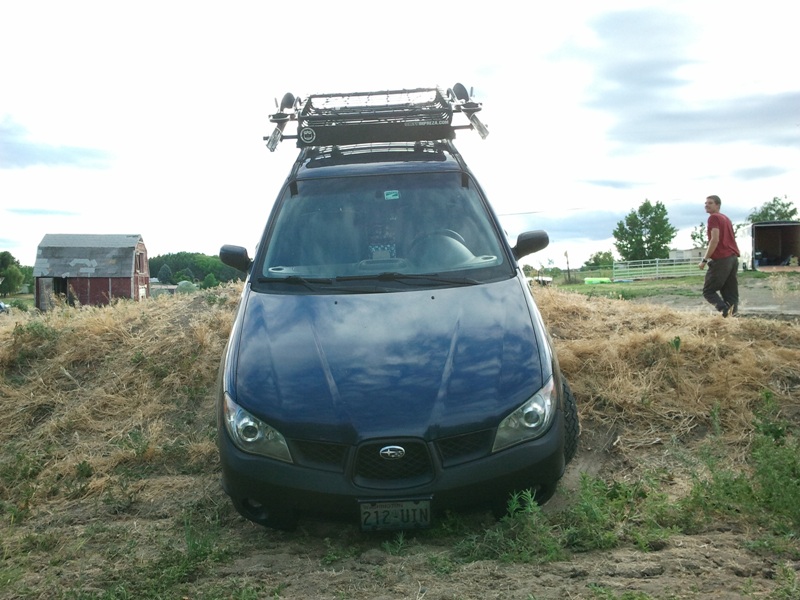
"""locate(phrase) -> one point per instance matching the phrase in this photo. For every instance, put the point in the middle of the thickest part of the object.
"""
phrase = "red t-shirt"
(727, 239)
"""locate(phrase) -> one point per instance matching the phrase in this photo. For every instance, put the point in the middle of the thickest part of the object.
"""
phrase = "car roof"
(373, 159)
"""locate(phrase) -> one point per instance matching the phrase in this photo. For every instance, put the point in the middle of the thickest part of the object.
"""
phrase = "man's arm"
(713, 242)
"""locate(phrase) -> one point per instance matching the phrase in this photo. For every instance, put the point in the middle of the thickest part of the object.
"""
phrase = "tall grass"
(109, 477)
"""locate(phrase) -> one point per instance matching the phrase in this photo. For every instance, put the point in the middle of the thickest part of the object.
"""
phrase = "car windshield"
(400, 230)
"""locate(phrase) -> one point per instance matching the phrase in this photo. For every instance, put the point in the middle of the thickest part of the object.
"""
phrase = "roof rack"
(415, 115)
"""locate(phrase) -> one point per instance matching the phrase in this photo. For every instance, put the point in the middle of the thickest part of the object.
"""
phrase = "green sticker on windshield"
(391, 195)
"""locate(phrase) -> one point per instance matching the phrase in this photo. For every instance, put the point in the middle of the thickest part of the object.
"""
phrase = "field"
(686, 483)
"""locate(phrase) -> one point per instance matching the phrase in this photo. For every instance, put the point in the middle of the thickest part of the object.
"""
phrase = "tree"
(10, 273)
(599, 259)
(645, 234)
(185, 275)
(209, 281)
(699, 236)
(774, 210)
(165, 274)
(12, 278)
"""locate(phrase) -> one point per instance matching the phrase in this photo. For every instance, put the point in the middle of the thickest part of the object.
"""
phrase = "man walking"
(722, 258)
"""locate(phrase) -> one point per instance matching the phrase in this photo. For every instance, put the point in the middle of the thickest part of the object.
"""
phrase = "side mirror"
(236, 257)
(530, 242)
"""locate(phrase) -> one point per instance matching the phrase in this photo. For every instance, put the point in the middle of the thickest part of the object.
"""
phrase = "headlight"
(530, 420)
(253, 435)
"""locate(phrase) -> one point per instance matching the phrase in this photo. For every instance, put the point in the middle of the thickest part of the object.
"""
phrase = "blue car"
(387, 361)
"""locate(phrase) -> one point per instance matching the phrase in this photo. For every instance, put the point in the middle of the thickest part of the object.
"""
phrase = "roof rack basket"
(421, 114)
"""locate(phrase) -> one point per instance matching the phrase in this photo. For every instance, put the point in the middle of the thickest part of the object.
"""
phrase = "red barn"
(90, 269)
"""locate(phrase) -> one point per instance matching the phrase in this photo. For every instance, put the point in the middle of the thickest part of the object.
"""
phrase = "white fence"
(656, 268)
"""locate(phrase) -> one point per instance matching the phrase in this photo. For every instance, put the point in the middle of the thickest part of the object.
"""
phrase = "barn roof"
(86, 255)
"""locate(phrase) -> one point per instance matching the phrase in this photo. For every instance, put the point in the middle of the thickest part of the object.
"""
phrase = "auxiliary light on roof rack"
(416, 115)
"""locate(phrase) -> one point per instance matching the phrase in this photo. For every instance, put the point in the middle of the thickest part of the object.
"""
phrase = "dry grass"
(662, 373)
(92, 393)
(109, 471)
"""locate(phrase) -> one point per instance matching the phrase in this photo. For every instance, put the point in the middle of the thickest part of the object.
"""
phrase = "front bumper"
(260, 487)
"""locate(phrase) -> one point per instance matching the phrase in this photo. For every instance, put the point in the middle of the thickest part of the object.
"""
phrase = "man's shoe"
(726, 309)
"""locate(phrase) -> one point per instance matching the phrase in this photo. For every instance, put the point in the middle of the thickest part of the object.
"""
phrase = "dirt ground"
(336, 561)
(712, 565)
(773, 297)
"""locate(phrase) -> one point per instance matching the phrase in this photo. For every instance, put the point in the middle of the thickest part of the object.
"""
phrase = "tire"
(275, 518)
(572, 425)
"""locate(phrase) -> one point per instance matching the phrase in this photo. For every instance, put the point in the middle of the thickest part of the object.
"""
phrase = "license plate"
(395, 514)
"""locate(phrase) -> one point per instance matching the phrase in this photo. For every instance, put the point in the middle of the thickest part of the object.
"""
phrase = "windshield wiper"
(309, 282)
(407, 278)
(316, 284)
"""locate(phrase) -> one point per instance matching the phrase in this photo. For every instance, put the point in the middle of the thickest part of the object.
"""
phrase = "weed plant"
(765, 493)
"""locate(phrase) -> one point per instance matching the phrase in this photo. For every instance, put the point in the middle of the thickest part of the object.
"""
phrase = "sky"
(148, 117)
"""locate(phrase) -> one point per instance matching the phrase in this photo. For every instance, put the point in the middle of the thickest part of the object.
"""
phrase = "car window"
(420, 223)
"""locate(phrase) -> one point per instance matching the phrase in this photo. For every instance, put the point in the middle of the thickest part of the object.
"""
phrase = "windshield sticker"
(391, 195)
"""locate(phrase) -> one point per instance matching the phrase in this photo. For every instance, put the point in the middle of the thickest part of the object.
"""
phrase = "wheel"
(572, 425)
(275, 518)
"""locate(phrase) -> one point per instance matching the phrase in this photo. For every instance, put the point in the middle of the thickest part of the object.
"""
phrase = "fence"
(656, 268)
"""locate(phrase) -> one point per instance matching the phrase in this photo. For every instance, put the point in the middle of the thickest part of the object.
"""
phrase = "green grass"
(676, 286)
(763, 495)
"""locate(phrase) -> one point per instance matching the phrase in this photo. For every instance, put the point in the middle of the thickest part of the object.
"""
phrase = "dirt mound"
(109, 476)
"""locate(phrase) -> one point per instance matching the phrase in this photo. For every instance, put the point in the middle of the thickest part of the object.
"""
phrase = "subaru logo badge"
(392, 452)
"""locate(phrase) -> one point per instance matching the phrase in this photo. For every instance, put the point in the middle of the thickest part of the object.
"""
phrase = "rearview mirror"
(530, 242)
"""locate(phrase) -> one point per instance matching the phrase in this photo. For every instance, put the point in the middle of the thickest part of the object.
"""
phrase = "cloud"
(18, 151)
(642, 58)
(40, 212)
(766, 120)
(758, 173)
(613, 184)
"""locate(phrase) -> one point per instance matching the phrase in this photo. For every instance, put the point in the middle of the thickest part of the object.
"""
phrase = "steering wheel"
(445, 232)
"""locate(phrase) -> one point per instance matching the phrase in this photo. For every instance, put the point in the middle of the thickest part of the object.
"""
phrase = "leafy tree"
(11, 273)
(6, 260)
(599, 259)
(699, 236)
(645, 234)
(165, 274)
(185, 275)
(12, 278)
(209, 281)
(27, 275)
(200, 265)
(774, 210)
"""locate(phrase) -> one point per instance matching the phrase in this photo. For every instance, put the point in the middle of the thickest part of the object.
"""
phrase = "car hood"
(426, 363)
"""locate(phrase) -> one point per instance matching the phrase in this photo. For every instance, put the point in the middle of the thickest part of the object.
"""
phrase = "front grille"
(464, 448)
(372, 470)
(319, 455)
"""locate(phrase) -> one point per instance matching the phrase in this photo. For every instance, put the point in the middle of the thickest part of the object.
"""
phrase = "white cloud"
(148, 117)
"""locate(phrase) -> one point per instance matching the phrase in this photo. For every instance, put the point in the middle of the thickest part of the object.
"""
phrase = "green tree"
(185, 275)
(200, 265)
(699, 236)
(645, 233)
(599, 259)
(11, 273)
(774, 210)
(165, 274)
(209, 281)
(12, 278)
